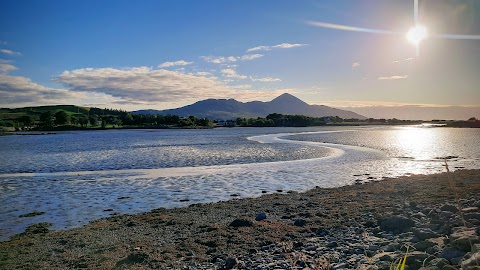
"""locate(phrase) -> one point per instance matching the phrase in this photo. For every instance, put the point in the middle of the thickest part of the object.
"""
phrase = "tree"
(46, 119)
(92, 119)
(83, 121)
(61, 118)
(26, 120)
(472, 119)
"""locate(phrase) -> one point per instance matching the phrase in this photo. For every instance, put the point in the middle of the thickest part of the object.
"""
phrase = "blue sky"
(165, 54)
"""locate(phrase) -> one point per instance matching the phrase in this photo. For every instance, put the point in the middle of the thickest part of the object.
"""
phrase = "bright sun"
(416, 34)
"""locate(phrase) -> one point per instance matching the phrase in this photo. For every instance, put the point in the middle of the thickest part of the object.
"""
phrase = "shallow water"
(75, 176)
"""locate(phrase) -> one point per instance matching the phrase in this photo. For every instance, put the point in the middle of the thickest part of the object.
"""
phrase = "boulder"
(397, 224)
(260, 216)
(471, 263)
(241, 223)
(423, 233)
(449, 208)
(463, 238)
(452, 255)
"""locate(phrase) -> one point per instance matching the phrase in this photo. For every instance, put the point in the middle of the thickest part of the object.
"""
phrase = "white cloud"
(5, 68)
(176, 63)
(203, 73)
(355, 65)
(230, 59)
(404, 60)
(396, 77)
(144, 84)
(279, 46)
(5, 61)
(231, 73)
(266, 79)
(20, 90)
(9, 52)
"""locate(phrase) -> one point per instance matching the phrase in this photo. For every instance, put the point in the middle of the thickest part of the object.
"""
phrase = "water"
(75, 176)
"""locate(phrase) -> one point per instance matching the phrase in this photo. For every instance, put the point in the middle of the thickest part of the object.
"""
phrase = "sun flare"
(416, 34)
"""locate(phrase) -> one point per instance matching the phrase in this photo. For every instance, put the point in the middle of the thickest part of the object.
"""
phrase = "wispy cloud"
(231, 73)
(403, 60)
(355, 65)
(396, 77)
(230, 59)
(250, 56)
(5, 61)
(10, 52)
(5, 68)
(266, 79)
(176, 63)
(279, 46)
(203, 73)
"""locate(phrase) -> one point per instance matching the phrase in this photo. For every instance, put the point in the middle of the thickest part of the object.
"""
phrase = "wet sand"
(351, 227)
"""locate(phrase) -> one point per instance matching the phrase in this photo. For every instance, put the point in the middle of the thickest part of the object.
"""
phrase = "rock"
(449, 208)
(230, 262)
(339, 266)
(32, 214)
(452, 255)
(423, 233)
(131, 259)
(37, 228)
(260, 216)
(241, 223)
(472, 263)
(440, 263)
(300, 222)
(463, 238)
(397, 224)
(423, 245)
(416, 259)
(469, 216)
(470, 210)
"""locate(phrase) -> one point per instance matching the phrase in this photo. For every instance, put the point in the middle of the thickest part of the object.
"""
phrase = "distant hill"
(224, 109)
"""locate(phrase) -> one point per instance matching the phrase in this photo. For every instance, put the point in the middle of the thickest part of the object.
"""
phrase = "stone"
(440, 263)
(397, 224)
(463, 238)
(471, 263)
(241, 223)
(423, 245)
(452, 254)
(260, 216)
(423, 233)
(449, 208)
(470, 210)
(230, 263)
(300, 222)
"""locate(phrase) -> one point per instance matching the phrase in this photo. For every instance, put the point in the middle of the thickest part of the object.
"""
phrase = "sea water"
(77, 177)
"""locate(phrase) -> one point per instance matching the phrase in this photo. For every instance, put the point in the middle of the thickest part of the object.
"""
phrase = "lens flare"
(416, 34)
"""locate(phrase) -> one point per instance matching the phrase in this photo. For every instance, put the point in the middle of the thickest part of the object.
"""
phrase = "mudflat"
(362, 226)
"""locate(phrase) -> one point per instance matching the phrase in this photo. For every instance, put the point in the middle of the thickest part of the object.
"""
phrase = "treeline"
(97, 118)
(280, 120)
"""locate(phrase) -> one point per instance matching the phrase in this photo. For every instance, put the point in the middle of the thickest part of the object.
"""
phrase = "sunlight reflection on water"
(330, 157)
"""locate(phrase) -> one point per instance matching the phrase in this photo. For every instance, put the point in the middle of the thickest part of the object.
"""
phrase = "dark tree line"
(105, 118)
(280, 120)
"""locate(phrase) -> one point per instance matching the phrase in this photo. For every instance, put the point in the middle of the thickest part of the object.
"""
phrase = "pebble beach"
(361, 226)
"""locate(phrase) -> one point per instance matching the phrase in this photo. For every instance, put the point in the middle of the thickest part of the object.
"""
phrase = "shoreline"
(343, 227)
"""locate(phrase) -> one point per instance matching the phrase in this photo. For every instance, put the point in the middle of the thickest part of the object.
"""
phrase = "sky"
(165, 54)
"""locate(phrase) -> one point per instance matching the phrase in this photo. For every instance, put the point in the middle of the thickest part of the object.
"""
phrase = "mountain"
(224, 109)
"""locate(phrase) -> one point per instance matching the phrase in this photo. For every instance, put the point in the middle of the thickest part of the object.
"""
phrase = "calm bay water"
(75, 176)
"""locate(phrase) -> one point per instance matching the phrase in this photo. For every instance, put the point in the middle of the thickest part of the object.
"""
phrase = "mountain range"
(225, 109)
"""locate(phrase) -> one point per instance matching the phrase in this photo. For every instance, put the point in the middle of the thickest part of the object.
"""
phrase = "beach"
(361, 226)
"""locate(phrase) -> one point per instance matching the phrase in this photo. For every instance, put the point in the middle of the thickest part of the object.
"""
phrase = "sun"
(416, 34)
